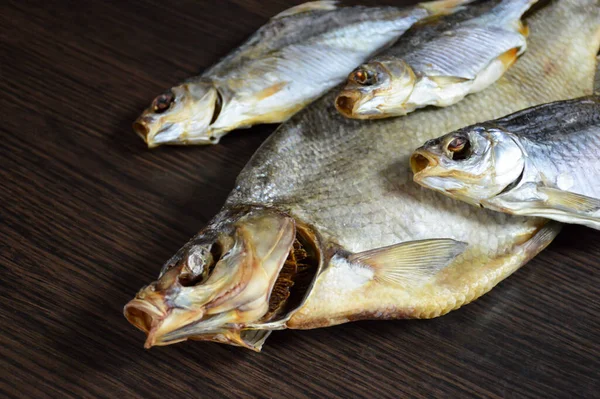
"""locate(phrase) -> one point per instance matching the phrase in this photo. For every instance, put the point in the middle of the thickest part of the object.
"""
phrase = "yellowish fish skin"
(345, 189)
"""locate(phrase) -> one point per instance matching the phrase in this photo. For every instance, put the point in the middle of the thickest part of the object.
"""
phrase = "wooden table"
(88, 215)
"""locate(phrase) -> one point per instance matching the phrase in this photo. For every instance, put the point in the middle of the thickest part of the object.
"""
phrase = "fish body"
(468, 55)
(542, 161)
(289, 62)
(359, 221)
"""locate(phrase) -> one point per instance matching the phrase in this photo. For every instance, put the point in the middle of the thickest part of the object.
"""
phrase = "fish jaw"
(251, 250)
(429, 174)
(187, 119)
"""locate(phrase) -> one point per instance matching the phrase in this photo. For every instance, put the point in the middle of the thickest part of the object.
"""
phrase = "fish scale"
(480, 45)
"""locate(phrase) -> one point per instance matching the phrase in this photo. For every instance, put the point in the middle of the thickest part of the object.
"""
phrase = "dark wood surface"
(88, 215)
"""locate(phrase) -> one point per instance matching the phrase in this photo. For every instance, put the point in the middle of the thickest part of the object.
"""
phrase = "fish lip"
(349, 103)
(421, 162)
(346, 102)
(143, 127)
(144, 314)
(140, 127)
(150, 314)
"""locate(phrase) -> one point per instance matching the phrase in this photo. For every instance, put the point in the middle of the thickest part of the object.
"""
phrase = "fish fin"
(523, 29)
(409, 261)
(269, 91)
(542, 238)
(443, 81)
(509, 57)
(444, 7)
(254, 339)
(324, 5)
(570, 202)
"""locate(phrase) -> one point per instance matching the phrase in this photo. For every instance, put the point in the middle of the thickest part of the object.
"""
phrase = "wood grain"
(88, 215)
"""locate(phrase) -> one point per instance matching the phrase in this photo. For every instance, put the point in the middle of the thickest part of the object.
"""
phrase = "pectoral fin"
(570, 202)
(254, 339)
(269, 91)
(534, 200)
(326, 5)
(410, 261)
(443, 81)
(508, 58)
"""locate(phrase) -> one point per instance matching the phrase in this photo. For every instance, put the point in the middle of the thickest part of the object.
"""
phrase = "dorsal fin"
(324, 5)
(410, 261)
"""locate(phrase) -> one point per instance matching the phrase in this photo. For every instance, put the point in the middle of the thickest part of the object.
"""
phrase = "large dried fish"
(542, 161)
(467, 56)
(322, 200)
(288, 63)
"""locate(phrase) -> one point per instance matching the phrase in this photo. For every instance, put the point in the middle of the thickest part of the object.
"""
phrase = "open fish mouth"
(249, 283)
(355, 104)
(346, 103)
(421, 162)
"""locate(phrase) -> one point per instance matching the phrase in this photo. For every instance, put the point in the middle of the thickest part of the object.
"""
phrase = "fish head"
(376, 89)
(471, 164)
(181, 115)
(218, 284)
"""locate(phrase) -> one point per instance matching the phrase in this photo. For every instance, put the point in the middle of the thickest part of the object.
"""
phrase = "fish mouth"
(259, 282)
(155, 133)
(350, 103)
(421, 162)
(148, 312)
(141, 128)
(346, 102)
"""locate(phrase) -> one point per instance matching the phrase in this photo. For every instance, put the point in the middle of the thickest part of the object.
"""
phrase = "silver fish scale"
(479, 46)
(572, 160)
(562, 141)
(351, 179)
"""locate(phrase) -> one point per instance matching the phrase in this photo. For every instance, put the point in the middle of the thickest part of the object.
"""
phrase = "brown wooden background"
(88, 215)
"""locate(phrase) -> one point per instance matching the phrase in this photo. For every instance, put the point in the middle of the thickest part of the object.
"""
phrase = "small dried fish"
(289, 62)
(467, 57)
(543, 161)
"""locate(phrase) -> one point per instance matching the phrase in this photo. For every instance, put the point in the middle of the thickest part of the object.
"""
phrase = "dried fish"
(542, 161)
(288, 63)
(466, 57)
(332, 199)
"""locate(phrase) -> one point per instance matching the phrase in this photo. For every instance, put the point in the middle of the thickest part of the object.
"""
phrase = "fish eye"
(364, 77)
(459, 148)
(200, 264)
(163, 102)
